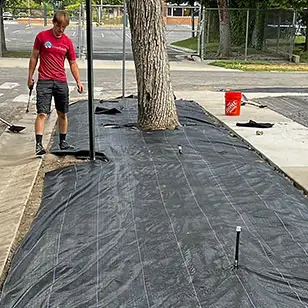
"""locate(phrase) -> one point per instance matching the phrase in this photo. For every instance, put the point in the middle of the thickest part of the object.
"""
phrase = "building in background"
(175, 14)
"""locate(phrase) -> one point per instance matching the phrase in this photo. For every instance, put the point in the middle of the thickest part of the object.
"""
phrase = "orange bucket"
(233, 102)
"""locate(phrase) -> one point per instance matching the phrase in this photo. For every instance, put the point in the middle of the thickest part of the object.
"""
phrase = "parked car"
(22, 15)
(7, 16)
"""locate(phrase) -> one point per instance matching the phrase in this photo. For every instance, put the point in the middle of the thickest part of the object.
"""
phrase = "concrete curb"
(182, 49)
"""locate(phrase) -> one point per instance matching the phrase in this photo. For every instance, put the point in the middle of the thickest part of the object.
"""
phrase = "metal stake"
(124, 49)
(180, 149)
(237, 246)
(90, 80)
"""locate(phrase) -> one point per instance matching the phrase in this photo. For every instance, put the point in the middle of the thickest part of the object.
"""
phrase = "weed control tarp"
(152, 227)
(292, 107)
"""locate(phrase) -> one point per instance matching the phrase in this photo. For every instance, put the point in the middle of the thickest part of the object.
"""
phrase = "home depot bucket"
(233, 102)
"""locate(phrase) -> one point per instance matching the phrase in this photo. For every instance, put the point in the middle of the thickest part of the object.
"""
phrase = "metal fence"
(254, 34)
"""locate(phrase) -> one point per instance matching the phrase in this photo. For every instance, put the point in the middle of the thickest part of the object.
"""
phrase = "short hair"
(61, 17)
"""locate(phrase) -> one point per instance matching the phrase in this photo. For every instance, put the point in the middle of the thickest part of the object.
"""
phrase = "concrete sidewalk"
(110, 64)
(18, 168)
(285, 145)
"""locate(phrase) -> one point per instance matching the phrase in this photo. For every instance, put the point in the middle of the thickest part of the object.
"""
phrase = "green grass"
(190, 43)
(300, 40)
(211, 49)
(17, 54)
(260, 66)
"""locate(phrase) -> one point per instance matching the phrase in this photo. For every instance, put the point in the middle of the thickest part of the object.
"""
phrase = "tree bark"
(224, 50)
(156, 107)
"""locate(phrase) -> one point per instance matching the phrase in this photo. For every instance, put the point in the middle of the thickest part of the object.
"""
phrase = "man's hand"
(80, 87)
(30, 84)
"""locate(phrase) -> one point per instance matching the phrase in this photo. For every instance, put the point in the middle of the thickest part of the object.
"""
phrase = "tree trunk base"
(152, 127)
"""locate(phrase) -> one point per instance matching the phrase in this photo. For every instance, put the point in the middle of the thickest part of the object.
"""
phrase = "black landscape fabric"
(292, 107)
(152, 227)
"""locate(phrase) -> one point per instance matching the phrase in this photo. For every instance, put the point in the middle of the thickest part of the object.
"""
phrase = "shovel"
(13, 128)
(248, 102)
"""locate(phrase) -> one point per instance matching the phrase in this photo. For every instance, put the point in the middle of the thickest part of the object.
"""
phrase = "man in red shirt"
(53, 47)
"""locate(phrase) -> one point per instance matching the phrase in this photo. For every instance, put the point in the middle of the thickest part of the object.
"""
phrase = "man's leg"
(39, 131)
(61, 94)
(43, 103)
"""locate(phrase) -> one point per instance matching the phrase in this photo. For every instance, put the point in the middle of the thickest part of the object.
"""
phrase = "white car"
(7, 16)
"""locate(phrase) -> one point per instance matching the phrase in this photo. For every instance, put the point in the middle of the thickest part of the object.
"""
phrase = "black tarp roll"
(152, 227)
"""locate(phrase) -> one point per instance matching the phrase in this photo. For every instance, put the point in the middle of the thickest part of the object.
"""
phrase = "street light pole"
(90, 80)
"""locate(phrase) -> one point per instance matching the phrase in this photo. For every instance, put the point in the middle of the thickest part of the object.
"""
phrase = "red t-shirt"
(53, 52)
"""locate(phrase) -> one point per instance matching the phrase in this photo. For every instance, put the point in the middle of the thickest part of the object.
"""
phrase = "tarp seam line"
(281, 221)
(218, 183)
(265, 203)
(136, 233)
(59, 238)
(255, 236)
(97, 235)
(190, 280)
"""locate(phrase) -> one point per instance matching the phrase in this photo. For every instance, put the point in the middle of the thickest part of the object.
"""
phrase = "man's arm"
(32, 65)
(76, 75)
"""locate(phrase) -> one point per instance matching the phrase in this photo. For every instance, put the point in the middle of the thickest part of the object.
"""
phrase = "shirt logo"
(48, 44)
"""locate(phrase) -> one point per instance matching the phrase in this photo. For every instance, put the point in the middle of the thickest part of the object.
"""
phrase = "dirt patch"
(50, 163)
(276, 67)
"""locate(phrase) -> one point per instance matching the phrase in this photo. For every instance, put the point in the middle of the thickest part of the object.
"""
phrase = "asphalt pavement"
(192, 77)
(107, 41)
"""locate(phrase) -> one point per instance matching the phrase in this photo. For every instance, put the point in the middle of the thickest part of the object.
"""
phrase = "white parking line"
(22, 98)
(103, 35)
(9, 85)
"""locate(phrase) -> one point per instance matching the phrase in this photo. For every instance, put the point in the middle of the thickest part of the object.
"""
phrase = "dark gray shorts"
(45, 89)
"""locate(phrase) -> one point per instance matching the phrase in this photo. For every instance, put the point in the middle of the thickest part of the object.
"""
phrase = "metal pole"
(293, 36)
(83, 32)
(29, 12)
(247, 35)
(278, 32)
(199, 31)
(203, 34)
(90, 80)
(192, 22)
(124, 50)
(208, 26)
(1, 38)
(100, 12)
(45, 14)
(79, 32)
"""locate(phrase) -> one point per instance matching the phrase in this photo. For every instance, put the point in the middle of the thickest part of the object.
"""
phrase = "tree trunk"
(156, 107)
(224, 50)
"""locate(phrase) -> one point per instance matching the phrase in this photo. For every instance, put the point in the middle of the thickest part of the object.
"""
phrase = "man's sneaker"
(39, 149)
(66, 146)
